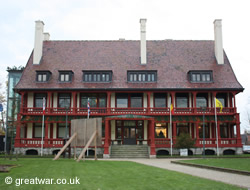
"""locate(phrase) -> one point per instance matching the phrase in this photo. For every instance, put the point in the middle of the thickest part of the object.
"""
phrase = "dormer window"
(65, 76)
(43, 76)
(142, 76)
(200, 76)
(97, 76)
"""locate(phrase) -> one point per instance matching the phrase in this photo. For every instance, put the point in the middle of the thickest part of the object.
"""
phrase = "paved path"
(234, 179)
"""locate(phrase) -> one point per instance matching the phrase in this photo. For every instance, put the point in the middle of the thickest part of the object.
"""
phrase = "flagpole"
(216, 127)
(171, 138)
(42, 127)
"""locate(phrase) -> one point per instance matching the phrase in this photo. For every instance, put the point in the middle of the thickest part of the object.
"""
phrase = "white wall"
(55, 100)
(112, 129)
(112, 100)
(54, 130)
(30, 100)
(78, 100)
(145, 130)
(29, 130)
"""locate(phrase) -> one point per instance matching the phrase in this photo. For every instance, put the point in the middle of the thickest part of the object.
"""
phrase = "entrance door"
(129, 135)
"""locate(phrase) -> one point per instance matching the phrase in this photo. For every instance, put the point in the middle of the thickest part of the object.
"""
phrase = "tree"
(184, 141)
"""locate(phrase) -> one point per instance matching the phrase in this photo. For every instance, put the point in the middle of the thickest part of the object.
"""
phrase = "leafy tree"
(184, 141)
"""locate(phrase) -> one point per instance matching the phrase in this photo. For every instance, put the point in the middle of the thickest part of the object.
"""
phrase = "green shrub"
(184, 141)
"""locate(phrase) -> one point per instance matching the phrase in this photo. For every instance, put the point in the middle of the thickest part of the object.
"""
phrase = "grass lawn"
(102, 175)
(237, 163)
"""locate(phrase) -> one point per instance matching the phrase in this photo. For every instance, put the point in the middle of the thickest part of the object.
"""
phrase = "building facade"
(131, 85)
(13, 107)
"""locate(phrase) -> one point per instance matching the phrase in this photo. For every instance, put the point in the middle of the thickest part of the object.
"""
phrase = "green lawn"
(232, 163)
(102, 175)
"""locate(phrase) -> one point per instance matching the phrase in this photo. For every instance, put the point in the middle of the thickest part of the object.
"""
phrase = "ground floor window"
(38, 130)
(182, 128)
(224, 131)
(207, 134)
(61, 127)
(161, 130)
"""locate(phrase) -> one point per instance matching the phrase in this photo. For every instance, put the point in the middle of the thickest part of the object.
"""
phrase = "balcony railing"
(123, 111)
(159, 142)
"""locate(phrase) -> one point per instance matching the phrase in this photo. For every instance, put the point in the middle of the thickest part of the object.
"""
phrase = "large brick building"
(131, 85)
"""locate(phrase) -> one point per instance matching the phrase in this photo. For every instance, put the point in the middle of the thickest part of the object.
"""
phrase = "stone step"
(129, 151)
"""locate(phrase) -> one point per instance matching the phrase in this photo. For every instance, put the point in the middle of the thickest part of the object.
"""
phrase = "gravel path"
(234, 179)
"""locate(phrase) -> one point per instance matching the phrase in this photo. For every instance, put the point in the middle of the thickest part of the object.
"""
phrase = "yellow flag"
(219, 104)
(172, 108)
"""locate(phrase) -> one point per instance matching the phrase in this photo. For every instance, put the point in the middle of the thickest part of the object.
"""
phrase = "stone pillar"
(106, 142)
(152, 139)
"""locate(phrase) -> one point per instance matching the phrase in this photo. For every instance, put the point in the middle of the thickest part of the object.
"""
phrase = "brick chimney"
(143, 42)
(39, 38)
(218, 45)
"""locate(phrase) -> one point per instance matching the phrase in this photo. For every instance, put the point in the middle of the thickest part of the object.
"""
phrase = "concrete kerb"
(213, 168)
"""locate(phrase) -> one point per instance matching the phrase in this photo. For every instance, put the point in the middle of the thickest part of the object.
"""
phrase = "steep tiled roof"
(172, 60)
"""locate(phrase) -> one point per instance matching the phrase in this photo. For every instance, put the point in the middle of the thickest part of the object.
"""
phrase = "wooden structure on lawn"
(86, 133)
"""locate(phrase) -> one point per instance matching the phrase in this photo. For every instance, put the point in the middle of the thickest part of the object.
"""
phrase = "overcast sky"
(114, 19)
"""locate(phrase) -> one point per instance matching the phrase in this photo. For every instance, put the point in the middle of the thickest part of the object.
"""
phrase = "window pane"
(136, 100)
(66, 77)
(198, 77)
(103, 77)
(39, 77)
(89, 77)
(203, 77)
(39, 100)
(208, 77)
(62, 77)
(64, 100)
(98, 77)
(193, 77)
(143, 77)
(135, 77)
(94, 77)
(160, 100)
(182, 100)
(122, 101)
(139, 77)
(149, 77)
(38, 131)
(107, 78)
(102, 102)
(153, 77)
(131, 77)
(85, 77)
(201, 102)
(44, 77)
(160, 130)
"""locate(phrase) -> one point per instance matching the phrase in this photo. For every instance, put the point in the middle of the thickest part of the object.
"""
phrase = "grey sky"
(114, 19)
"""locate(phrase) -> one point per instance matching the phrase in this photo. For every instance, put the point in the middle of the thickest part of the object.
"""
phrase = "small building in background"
(13, 106)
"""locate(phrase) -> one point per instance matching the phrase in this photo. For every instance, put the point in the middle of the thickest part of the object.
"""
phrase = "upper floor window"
(97, 76)
(201, 76)
(43, 76)
(39, 100)
(182, 100)
(160, 100)
(142, 76)
(201, 100)
(134, 100)
(64, 100)
(95, 100)
(65, 76)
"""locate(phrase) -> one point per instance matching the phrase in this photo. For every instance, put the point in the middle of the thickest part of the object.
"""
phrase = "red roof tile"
(172, 60)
